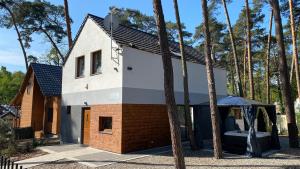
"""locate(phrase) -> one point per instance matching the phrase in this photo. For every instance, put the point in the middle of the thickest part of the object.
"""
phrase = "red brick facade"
(106, 141)
(144, 126)
(134, 127)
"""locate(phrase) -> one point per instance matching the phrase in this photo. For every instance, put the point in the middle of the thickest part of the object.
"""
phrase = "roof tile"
(49, 78)
(145, 41)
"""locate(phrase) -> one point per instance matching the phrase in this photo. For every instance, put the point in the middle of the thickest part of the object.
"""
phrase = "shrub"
(7, 141)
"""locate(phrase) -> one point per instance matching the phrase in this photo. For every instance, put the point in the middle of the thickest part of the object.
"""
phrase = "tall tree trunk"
(185, 80)
(211, 85)
(245, 69)
(250, 68)
(168, 85)
(258, 82)
(18, 33)
(231, 76)
(235, 58)
(285, 83)
(68, 22)
(280, 94)
(292, 70)
(54, 45)
(295, 50)
(268, 58)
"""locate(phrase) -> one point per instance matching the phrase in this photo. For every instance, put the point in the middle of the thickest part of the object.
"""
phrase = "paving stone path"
(85, 155)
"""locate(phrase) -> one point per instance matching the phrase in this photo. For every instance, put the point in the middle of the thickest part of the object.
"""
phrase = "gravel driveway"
(203, 159)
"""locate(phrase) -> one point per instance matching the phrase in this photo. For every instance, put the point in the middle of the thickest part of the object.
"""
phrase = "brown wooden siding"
(56, 115)
(37, 108)
(26, 105)
(54, 127)
(32, 109)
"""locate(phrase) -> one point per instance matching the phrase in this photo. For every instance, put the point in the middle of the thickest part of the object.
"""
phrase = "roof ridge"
(142, 40)
(34, 63)
(125, 26)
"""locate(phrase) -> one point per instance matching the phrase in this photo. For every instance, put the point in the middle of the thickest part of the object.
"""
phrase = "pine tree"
(169, 86)
(185, 80)
(211, 85)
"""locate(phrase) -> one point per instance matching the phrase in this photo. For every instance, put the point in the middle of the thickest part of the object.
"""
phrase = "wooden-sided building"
(10, 114)
(39, 99)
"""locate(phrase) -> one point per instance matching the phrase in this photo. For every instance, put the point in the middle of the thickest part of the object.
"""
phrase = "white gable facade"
(130, 85)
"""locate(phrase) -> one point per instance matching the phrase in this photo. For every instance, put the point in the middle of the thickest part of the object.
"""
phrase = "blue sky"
(190, 11)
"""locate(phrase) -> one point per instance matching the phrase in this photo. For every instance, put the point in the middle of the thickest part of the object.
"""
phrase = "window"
(80, 66)
(28, 88)
(105, 124)
(96, 62)
(69, 110)
(50, 115)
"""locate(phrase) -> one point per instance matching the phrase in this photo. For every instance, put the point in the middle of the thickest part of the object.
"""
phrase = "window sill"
(94, 74)
(79, 77)
(106, 132)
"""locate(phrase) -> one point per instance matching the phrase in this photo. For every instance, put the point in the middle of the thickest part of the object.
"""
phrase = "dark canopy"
(249, 109)
(234, 101)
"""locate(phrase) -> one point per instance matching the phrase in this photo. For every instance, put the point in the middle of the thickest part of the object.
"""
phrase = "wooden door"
(86, 126)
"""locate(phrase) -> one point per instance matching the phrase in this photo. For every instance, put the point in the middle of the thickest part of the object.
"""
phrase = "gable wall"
(26, 104)
(93, 89)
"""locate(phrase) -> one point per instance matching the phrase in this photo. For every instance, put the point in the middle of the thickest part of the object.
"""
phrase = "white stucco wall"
(92, 38)
(147, 73)
(142, 85)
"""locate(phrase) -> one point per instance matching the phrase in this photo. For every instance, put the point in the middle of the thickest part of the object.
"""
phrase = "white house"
(113, 90)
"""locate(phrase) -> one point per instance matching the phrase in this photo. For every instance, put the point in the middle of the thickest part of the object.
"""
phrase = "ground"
(26, 155)
(285, 158)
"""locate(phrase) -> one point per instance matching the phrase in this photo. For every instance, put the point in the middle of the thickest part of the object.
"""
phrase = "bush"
(7, 141)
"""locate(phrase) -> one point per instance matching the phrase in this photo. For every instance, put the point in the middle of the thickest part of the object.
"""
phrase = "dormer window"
(80, 66)
(96, 62)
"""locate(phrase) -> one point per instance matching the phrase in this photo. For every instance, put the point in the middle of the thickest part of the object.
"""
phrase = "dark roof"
(6, 109)
(138, 39)
(49, 78)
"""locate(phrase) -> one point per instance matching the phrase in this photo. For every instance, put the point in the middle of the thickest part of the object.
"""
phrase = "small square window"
(69, 110)
(50, 115)
(96, 62)
(80, 66)
(105, 124)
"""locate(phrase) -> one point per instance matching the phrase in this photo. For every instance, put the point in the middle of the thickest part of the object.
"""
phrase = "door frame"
(82, 123)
